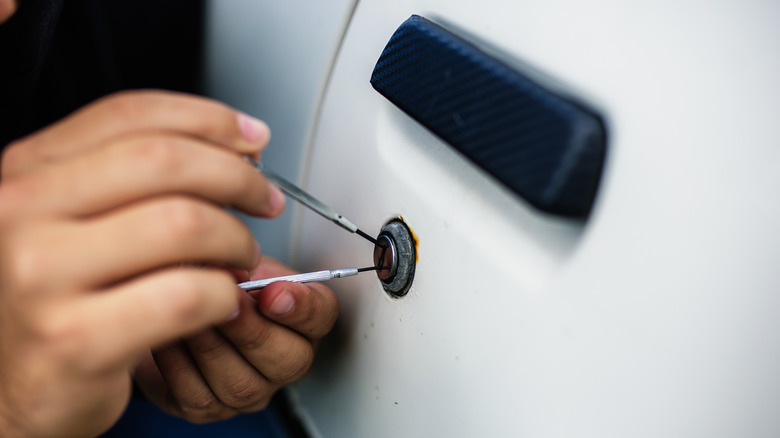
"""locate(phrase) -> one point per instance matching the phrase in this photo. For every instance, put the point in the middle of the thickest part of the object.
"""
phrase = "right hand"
(102, 217)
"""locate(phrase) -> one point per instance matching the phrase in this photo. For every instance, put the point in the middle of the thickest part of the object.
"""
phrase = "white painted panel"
(657, 318)
(271, 59)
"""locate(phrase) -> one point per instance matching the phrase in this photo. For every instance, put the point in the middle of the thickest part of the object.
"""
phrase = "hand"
(238, 366)
(102, 216)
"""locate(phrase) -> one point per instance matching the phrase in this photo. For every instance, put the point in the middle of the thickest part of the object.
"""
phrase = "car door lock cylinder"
(395, 257)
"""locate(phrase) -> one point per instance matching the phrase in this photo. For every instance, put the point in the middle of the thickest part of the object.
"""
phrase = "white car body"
(656, 317)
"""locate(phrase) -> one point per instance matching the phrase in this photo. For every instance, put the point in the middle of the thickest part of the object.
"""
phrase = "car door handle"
(546, 148)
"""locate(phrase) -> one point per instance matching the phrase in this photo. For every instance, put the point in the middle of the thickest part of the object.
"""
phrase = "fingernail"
(276, 199)
(283, 303)
(253, 130)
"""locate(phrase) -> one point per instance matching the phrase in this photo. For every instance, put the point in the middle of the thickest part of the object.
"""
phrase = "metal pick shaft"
(311, 202)
(301, 278)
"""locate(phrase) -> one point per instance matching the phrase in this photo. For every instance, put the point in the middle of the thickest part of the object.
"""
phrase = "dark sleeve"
(57, 55)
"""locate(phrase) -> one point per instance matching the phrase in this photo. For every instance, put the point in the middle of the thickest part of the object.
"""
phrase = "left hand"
(237, 366)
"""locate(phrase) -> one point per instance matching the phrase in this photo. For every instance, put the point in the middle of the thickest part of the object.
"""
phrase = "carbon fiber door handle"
(547, 149)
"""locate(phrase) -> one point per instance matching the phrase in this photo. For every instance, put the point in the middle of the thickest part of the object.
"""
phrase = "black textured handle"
(545, 148)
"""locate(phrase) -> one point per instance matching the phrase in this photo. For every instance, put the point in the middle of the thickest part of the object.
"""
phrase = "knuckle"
(16, 195)
(258, 405)
(171, 368)
(209, 349)
(183, 219)
(220, 124)
(243, 393)
(129, 104)
(12, 158)
(123, 103)
(64, 336)
(23, 268)
(10, 195)
(257, 339)
(158, 155)
(203, 407)
(296, 366)
(69, 341)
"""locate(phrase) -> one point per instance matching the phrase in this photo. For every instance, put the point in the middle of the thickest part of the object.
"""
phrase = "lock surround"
(400, 251)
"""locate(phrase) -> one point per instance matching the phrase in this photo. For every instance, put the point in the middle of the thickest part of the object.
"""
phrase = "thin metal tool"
(307, 277)
(308, 200)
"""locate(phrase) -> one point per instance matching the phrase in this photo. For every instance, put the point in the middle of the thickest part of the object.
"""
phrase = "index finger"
(134, 112)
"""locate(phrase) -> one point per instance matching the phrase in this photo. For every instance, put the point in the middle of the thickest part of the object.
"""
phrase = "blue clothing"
(142, 419)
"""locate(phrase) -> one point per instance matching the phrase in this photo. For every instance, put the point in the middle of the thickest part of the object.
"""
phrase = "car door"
(650, 314)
